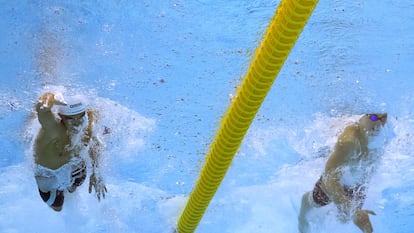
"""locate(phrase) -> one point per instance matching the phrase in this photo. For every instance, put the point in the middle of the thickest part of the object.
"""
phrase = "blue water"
(162, 73)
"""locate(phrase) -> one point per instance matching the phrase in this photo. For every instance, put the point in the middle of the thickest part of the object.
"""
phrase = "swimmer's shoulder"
(344, 148)
(350, 134)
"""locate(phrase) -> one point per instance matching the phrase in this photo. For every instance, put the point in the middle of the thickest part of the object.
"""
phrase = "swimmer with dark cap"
(347, 171)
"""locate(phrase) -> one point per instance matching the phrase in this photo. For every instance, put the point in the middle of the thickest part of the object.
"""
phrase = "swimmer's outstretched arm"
(44, 112)
(96, 181)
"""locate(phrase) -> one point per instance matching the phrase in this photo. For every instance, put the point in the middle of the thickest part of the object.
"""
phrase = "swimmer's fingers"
(100, 190)
(98, 185)
(92, 182)
(59, 100)
(103, 191)
(370, 212)
(365, 212)
(90, 187)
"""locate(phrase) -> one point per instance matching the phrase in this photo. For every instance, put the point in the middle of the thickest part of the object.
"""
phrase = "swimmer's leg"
(54, 198)
(306, 205)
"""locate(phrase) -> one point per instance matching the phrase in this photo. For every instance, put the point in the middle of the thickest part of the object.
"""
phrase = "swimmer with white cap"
(58, 147)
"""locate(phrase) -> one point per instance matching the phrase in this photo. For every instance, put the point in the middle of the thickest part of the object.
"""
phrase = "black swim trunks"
(53, 198)
(356, 193)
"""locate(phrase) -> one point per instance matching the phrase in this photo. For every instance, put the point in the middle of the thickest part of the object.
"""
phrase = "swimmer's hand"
(47, 100)
(361, 219)
(96, 181)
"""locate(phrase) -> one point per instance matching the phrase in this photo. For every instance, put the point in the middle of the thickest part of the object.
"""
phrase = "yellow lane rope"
(288, 22)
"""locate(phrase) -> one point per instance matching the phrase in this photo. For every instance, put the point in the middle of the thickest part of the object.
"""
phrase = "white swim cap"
(74, 105)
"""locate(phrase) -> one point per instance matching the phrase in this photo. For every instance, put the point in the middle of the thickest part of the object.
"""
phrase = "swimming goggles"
(373, 117)
(75, 117)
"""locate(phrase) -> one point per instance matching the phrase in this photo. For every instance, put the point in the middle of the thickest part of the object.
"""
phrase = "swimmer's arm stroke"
(334, 188)
(344, 149)
(44, 111)
(95, 150)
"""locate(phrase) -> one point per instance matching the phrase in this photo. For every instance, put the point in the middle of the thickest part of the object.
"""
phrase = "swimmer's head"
(73, 111)
(372, 123)
(74, 105)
